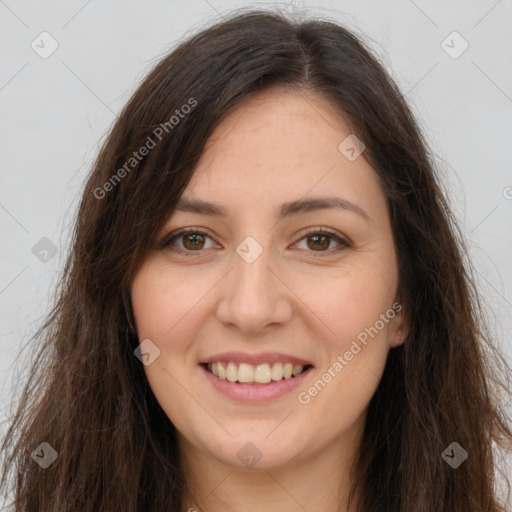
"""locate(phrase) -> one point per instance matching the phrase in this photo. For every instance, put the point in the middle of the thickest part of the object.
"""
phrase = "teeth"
(277, 371)
(297, 369)
(263, 374)
(250, 374)
(245, 373)
(232, 372)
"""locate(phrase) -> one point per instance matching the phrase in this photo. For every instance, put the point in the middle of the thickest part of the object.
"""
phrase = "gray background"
(56, 111)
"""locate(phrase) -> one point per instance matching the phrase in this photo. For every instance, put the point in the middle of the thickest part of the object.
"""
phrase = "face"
(267, 284)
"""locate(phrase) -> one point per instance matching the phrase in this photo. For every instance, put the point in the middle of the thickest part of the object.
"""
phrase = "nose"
(253, 295)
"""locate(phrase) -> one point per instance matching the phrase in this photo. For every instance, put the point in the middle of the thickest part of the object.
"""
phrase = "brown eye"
(186, 241)
(190, 241)
(193, 241)
(319, 242)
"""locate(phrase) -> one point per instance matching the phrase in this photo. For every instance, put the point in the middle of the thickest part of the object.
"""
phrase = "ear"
(399, 325)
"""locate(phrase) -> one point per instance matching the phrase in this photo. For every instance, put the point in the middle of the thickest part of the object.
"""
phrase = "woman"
(266, 305)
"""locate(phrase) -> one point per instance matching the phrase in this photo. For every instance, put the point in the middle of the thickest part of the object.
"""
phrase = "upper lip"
(255, 359)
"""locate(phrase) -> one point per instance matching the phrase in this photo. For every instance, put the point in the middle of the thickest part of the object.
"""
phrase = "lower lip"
(255, 393)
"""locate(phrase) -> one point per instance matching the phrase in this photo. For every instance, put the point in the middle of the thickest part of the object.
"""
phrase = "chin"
(263, 449)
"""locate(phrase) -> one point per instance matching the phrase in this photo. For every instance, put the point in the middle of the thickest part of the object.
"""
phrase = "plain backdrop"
(55, 112)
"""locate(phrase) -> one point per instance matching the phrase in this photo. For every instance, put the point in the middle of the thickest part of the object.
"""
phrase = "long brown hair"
(87, 395)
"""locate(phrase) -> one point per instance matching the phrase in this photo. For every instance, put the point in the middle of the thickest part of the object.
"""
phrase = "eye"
(193, 240)
(319, 239)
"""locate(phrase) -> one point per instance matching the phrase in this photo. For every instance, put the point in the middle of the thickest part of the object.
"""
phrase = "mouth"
(256, 378)
(263, 374)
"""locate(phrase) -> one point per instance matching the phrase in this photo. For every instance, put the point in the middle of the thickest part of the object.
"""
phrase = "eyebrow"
(285, 210)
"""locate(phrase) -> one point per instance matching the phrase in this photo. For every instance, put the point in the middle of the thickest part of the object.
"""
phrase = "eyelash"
(167, 242)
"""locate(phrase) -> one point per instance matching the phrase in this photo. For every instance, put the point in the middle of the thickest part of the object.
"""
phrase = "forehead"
(280, 145)
(282, 119)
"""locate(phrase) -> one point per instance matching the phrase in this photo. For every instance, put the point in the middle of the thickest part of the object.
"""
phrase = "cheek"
(356, 306)
(348, 300)
(355, 352)
(163, 307)
(163, 303)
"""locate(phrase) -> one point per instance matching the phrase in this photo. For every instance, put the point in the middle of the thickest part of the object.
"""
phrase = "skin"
(280, 145)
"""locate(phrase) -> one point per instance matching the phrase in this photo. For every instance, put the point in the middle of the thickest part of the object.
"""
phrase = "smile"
(261, 374)
(254, 392)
